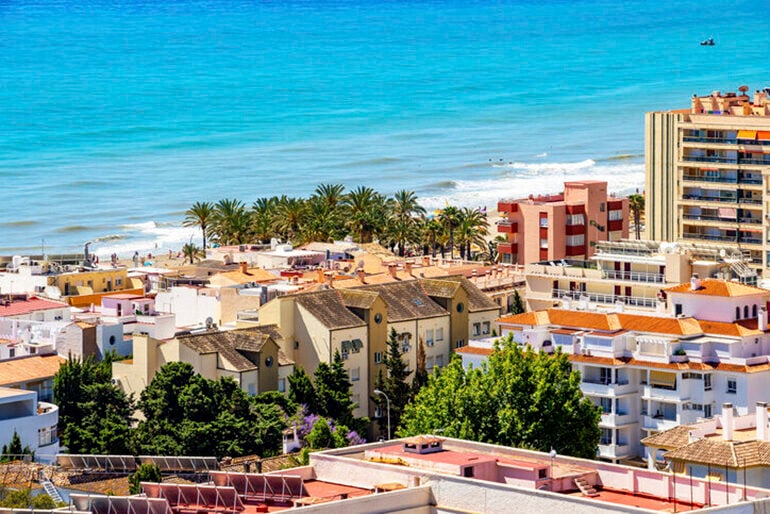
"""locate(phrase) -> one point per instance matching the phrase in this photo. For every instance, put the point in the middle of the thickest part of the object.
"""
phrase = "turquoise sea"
(116, 115)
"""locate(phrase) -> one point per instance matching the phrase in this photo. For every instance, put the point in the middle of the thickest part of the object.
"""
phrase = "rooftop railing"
(636, 301)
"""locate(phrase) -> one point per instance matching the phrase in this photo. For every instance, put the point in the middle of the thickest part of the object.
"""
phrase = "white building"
(34, 421)
(650, 373)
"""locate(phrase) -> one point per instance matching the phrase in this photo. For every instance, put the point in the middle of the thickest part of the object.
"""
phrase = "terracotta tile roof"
(229, 345)
(718, 452)
(715, 287)
(674, 366)
(407, 301)
(477, 300)
(660, 325)
(21, 306)
(669, 439)
(358, 298)
(327, 306)
(440, 288)
(746, 327)
(236, 277)
(527, 318)
(29, 369)
(475, 350)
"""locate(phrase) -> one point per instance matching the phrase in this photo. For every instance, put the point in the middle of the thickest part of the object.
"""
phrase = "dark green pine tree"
(394, 384)
(517, 307)
(332, 388)
(301, 390)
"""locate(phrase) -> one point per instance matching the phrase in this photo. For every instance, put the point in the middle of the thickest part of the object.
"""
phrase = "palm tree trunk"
(451, 242)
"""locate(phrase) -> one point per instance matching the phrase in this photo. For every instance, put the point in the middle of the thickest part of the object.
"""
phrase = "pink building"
(561, 226)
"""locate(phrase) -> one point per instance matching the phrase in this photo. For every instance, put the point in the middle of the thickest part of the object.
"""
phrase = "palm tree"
(449, 217)
(322, 222)
(472, 229)
(289, 216)
(636, 204)
(192, 252)
(365, 213)
(263, 218)
(201, 214)
(405, 205)
(231, 221)
(331, 194)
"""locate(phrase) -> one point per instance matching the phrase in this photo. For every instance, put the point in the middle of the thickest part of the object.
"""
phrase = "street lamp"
(552, 453)
(378, 391)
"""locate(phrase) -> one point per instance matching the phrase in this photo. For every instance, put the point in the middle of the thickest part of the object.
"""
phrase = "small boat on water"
(708, 42)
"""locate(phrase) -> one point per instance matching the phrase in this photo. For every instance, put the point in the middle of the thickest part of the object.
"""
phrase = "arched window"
(745, 311)
(754, 311)
(737, 313)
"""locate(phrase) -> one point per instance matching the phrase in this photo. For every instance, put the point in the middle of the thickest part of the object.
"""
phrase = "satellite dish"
(209, 322)
(722, 253)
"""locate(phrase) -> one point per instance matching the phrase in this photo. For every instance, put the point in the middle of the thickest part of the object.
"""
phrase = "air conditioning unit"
(115, 381)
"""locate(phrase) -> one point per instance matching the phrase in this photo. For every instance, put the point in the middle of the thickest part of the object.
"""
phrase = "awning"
(763, 135)
(663, 379)
(726, 212)
(747, 134)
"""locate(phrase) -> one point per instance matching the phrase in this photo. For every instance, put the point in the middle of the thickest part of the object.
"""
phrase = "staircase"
(51, 490)
(585, 488)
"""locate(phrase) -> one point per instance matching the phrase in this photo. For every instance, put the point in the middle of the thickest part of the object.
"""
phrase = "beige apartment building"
(561, 226)
(706, 173)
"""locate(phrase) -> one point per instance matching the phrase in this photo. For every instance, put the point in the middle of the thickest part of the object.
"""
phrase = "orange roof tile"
(475, 350)
(18, 307)
(715, 287)
(28, 369)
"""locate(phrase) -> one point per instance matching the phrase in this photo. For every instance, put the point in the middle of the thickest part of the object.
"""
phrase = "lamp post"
(552, 453)
(378, 391)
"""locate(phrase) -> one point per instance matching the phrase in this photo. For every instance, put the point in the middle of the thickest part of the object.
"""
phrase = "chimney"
(762, 431)
(408, 268)
(694, 282)
(321, 276)
(393, 270)
(361, 275)
(762, 319)
(244, 267)
(727, 421)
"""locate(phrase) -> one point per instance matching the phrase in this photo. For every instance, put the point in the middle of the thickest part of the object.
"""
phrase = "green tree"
(41, 502)
(231, 222)
(520, 398)
(144, 473)
(394, 383)
(450, 218)
(365, 212)
(263, 218)
(420, 372)
(200, 214)
(517, 306)
(290, 214)
(332, 389)
(192, 252)
(471, 230)
(301, 389)
(636, 204)
(14, 449)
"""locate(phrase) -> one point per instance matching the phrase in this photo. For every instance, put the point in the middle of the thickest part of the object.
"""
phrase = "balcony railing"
(722, 239)
(725, 160)
(635, 276)
(721, 219)
(605, 298)
(722, 199)
(724, 140)
(722, 180)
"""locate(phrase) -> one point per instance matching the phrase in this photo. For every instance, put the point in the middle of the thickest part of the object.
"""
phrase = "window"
(606, 437)
(112, 340)
(485, 327)
(542, 473)
(707, 382)
(606, 405)
(468, 472)
(544, 243)
(429, 337)
(118, 281)
(615, 215)
(378, 357)
(439, 360)
(281, 385)
(737, 313)
(439, 334)
(576, 240)
(345, 355)
(601, 207)
(46, 436)
(460, 343)
(355, 374)
(575, 219)
(476, 329)
(460, 307)
(754, 311)
(732, 386)
(544, 221)
(378, 318)
(405, 339)
(269, 362)
(677, 309)
(12, 352)
(707, 411)
(745, 311)
(429, 363)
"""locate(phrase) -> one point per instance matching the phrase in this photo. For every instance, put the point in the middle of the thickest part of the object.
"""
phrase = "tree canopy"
(393, 383)
(520, 398)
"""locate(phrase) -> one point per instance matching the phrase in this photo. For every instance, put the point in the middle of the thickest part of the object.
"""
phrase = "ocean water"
(116, 115)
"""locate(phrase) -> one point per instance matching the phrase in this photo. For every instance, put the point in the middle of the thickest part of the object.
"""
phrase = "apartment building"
(629, 274)
(650, 373)
(441, 313)
(34, 421)
(704, 172)
(561, 226)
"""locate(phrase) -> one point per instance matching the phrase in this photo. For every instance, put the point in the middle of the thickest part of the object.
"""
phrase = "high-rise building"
(704, 172)
(565, 225)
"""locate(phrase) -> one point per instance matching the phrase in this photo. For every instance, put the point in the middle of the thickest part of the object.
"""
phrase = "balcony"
(658, 423)
(508, 248)
(636, 301)
(658, 392)
(722, 199)
(721, 219)
(507, 205)
(615, 420)
(723, 239)
(722, 180)
(635, 276)
(507, 227)
(725, 160)
(614, 451)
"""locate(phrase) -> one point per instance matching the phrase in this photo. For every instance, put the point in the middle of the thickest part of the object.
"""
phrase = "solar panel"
(4, 510)
(260, 487)
(181, 463)
(97, 504)
(202, 498)
(97, 462)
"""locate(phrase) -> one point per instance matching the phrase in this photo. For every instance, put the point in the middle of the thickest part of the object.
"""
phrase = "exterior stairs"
(51, 490)
(585, 488)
